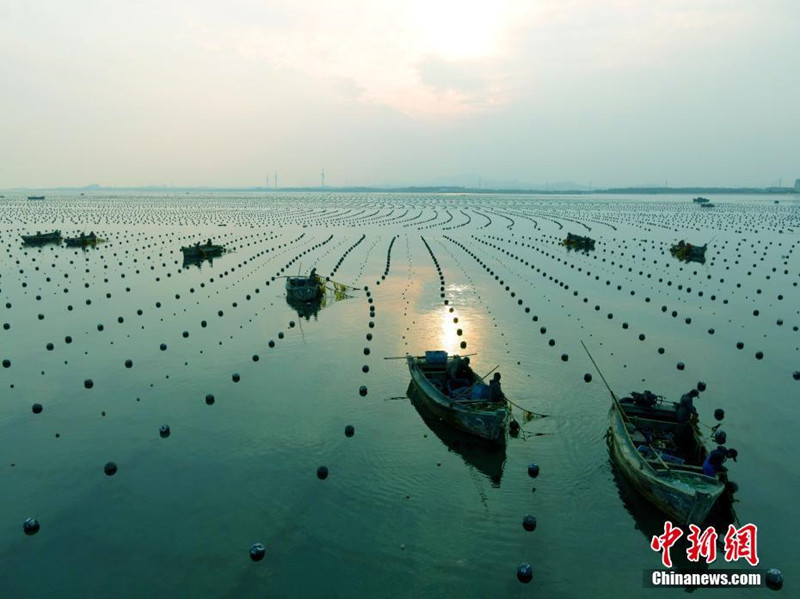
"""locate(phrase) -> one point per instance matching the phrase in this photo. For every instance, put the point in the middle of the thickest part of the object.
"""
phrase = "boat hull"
(54, 237)
(685, 496)
(303, 289)
(488, 424)
(202, 251)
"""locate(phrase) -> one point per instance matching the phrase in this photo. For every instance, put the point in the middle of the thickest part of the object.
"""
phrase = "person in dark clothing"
(313, 275)
(685, 408)
(495, 392)
(713, 464)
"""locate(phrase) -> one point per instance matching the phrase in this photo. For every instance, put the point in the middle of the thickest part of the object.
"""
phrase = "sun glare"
(458, 30)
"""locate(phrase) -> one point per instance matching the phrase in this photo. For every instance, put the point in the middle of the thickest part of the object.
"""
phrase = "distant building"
(797, 184)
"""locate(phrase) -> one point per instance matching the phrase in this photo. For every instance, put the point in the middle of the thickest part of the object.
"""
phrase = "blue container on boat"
(481, 391)
(436, 357)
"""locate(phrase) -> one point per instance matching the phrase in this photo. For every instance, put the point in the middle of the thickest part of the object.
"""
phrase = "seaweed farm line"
(161, 418)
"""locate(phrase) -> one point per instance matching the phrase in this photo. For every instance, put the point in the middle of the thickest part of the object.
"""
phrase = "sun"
(458, 29)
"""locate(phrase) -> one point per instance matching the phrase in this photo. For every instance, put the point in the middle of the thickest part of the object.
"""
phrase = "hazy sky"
(213, 92)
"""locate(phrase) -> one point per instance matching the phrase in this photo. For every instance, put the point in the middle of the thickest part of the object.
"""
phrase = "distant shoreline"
(438, 189)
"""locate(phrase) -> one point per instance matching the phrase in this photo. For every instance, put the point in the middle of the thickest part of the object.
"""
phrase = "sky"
(602, 93)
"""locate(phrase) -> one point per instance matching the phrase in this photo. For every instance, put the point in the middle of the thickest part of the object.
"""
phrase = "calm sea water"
(409, 509)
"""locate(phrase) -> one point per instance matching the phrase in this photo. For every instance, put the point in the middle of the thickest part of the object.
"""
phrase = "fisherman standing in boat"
(685, 409)
(495, 392)
(313, 275)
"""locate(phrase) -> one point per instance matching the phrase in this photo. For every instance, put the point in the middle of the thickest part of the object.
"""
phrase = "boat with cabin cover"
(662, 458)
(462, 403)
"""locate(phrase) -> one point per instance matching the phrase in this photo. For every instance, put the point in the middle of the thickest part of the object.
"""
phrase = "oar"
(619, 407)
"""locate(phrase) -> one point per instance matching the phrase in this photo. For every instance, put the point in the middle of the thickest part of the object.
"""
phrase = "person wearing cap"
(495, 392)
(713, 464)
(685, 409)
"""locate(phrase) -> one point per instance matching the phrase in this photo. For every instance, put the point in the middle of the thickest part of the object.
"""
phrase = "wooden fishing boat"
(579, 242)
(663, 459)
(461, 403)
(207, 250)
(81, 240)
(41, 238)
(688, 252)
(700, 200)
(35, 197)
(305, 288)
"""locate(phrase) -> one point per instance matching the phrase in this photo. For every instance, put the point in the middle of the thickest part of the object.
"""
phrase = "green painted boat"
(647, 445)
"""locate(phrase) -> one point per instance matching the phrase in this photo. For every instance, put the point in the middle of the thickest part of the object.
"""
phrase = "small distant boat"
(35, 197)
(662, 459)
(305, 288)
(461, 403)
(81, 240)
(700, 200)
(579, 242)
(42, 238)
(688, 252)
(206, 250)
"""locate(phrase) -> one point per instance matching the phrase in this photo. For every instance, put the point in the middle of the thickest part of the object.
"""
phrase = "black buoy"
(362, 390)
(587, 377)
(796, 375)
(164, 431)
(128, 363)
(322, 472)
(236, 378)
(533, 470)
(525, 572)
(163, 347)
(257, 552)
(759, 355)
(529, 522)
(719, 414)
(720, 437)
(774, 579)
(210, 399)
(88, 383)
(513, 428)
(681, 365)
(564, 357)
(349, 430)
(30, 526)
(701, 386)
(37, 408)
(6, 363)
(110, 469)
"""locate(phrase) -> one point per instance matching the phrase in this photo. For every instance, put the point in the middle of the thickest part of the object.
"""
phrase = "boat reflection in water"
(311, 307)
(487, 458)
